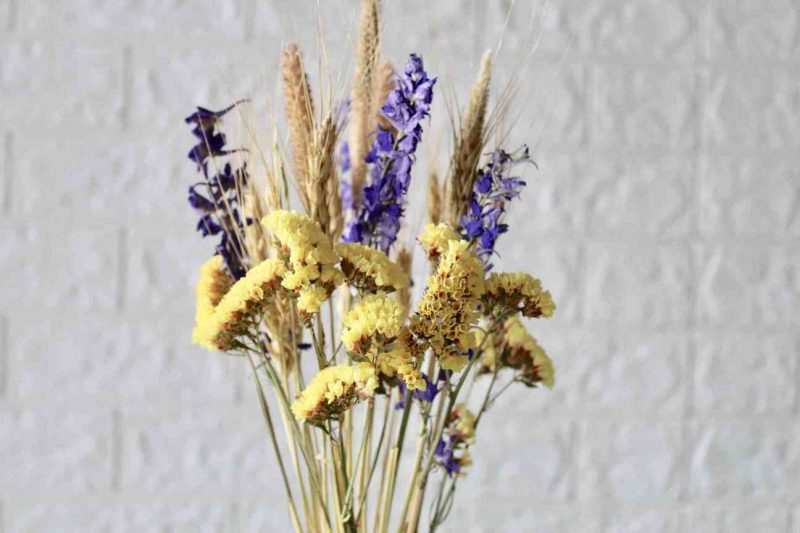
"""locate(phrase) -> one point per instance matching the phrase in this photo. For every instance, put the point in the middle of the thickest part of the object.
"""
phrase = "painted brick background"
(665, 219)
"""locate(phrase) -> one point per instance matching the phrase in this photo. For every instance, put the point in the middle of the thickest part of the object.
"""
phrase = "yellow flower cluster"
(310, 259)
(447, 310)
(219, 325)
(517, 292)
(370, 270)
(521, 351)
(213, 284)
(434, 239)
(371, 324)
(401, 361)
(334, 390)
(464, 423)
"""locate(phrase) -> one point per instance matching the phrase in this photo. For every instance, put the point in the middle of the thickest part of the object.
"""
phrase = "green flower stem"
(398, 447)
(385, 465)
(366, 435)
(452, 401)
(307, 456)
(268, 419)
(361, 509)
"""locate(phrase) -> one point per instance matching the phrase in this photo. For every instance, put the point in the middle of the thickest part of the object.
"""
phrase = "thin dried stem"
(275, 447)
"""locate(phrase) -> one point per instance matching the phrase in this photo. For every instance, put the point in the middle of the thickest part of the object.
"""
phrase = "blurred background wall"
(665, 218)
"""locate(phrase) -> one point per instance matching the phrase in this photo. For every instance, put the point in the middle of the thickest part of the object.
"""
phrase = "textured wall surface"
(665, 218)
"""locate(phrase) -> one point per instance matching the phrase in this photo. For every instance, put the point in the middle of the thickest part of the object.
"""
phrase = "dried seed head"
(254, 208)
(362, 122)
(434, 199)
(385, 82)
(285, 329)
(299, 115)
(323, 185)
(469, 145)
(403, 260)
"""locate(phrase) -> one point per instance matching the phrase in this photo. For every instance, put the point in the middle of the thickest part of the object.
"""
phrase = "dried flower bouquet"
(326, 289)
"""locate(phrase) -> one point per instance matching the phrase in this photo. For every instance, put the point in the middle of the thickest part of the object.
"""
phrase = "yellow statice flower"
(334, 390)
(217, 330)
(214, 282)
(434, 239)
(371, 324)
(370, 270)
(309, 256)
(401, 362)
(448, 309)
(464, 425)
(517, 292)
(311, 299)
(522, 352)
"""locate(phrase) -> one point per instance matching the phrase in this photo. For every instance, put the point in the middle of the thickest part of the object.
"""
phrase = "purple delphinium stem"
(376, 220)
(483, 224)
(218, 203)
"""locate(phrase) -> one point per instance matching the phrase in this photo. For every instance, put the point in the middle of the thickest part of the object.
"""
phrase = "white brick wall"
(665, 218)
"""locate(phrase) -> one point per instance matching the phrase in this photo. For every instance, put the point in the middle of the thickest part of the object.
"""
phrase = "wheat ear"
(323, 186)
(362, 121)
(404, 259)
(434, 199)
(299, 115)
(385, 82)
(469, 144)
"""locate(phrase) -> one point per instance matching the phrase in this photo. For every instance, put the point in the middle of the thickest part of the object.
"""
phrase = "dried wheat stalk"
(254, 237)
(362, 110)
(385, 82)
(299, 115)
(404, 259)
(469, 145)
(323, 185)
(434, 199)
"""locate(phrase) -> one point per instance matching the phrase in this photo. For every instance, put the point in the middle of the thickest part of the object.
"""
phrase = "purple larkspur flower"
(483, 222)
(445, 454)
(425, 395)
(376, 219)
(216, 198)
(344, 158)
(210, 143)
